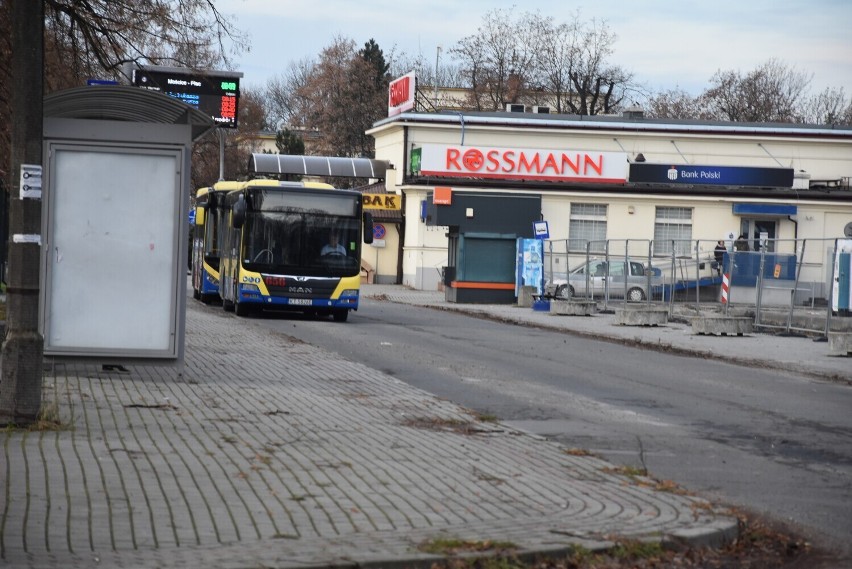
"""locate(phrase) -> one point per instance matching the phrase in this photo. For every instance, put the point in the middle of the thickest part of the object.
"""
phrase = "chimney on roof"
(634, 112)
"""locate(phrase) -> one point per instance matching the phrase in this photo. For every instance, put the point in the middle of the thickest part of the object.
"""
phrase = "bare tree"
(678, 104)
(239, 144)
(531, 58)
(773, 92)
(558, 57)
(830, 107)
(281, 94)
(499, 60)
(342, 96)
(599, 88)
(95, 38)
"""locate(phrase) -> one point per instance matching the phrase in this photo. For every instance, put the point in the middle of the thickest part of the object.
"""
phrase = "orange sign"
(442, 196)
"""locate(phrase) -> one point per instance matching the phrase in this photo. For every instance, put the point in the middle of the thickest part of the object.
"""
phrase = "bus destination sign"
(214, 93)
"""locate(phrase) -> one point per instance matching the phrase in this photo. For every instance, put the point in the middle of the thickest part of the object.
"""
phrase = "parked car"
(600, 280)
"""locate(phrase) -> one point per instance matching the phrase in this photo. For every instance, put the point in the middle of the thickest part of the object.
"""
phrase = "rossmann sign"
(523, 164)
(401, 93)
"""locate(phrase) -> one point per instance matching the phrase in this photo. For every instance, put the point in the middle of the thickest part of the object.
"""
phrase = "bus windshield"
(294, 243)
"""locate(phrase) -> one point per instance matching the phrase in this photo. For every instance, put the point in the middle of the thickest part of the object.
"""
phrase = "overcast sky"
(665, 43)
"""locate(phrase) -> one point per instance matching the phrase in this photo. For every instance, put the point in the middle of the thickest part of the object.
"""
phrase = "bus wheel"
(196, 294)
(340, 315)
(241, 309)
(227, 305)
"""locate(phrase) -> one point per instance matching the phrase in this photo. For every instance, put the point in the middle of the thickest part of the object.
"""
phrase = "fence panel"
(786, 283)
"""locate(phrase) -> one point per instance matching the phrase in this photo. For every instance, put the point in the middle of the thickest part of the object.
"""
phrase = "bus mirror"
(239, 216)
(211, 201)
(368, 227)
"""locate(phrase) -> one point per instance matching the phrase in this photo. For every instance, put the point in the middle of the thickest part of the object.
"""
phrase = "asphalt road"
(775, 443)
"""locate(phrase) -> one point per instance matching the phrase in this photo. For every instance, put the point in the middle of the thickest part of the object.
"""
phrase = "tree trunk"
(22, 351)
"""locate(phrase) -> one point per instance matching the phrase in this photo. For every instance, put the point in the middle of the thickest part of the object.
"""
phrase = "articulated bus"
(292, 246)
(205, 241)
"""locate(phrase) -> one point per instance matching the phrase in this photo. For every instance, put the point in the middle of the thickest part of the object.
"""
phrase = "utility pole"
(23, 347)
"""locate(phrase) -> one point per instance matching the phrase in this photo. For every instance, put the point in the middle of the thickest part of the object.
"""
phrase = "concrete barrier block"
(723, 325)
(573, 307)
(840, 343)
(525, 296)
(642, 316)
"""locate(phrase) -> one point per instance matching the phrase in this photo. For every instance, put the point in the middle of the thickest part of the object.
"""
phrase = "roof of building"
(632, 121)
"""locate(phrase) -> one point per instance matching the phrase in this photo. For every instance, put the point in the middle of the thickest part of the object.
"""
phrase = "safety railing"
(788, 284)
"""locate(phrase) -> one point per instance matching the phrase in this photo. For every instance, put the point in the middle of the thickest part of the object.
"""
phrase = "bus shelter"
(116, 185)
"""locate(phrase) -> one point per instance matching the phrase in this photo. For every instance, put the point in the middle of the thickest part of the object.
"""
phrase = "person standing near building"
(741, 244)
(719, 254)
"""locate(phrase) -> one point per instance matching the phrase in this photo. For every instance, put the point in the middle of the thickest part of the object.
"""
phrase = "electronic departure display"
(213, 93)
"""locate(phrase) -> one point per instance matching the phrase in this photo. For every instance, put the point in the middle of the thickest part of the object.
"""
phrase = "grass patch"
(449, 546)
(636, 550)
(438, 424)
(48, 419)
(488, 418)
(631, 471)
(577, 452)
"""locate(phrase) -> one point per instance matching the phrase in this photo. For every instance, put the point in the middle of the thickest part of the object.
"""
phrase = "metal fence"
(786, 283)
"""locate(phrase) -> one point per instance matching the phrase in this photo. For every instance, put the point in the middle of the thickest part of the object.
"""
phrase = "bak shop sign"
(547, 165)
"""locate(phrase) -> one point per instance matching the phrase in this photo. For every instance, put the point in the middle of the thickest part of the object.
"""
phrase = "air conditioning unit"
(515, 108)
(545, 110)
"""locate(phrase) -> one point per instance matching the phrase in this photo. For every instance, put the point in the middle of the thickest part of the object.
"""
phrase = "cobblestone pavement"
(269, 452)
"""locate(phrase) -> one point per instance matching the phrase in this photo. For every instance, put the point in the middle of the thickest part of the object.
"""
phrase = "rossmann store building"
(472, 184)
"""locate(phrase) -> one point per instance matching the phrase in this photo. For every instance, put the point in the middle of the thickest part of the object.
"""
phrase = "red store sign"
(401, 94)
(524, 164)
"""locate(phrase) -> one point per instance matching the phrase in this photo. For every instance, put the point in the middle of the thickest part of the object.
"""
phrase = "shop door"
(753, 228)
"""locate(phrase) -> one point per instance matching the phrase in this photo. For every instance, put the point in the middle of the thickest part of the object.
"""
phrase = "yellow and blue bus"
(205, 241)
(292, 246)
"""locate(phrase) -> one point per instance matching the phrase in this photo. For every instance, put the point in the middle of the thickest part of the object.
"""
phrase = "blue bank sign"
(711, 175)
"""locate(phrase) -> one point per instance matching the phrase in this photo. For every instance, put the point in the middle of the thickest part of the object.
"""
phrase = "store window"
(587, 225)
(673, 231)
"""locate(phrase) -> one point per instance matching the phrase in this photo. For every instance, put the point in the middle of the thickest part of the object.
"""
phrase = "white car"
(599, 280)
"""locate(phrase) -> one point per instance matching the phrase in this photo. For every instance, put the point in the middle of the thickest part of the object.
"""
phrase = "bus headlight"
(349, 292)
(249, 289)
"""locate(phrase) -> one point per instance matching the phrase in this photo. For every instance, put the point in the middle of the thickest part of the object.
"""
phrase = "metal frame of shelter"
(117, 182)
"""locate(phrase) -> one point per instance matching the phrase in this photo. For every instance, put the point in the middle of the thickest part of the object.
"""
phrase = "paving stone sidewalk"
(270, 452)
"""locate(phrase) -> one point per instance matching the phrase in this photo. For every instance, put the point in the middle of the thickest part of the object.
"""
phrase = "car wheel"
(635, 294)
(565, 291)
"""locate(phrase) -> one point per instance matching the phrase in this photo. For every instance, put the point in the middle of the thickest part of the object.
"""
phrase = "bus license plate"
(300, 301)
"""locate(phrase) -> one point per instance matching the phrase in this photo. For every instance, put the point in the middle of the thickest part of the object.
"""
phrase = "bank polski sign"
(538, 164)
(711, 175)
